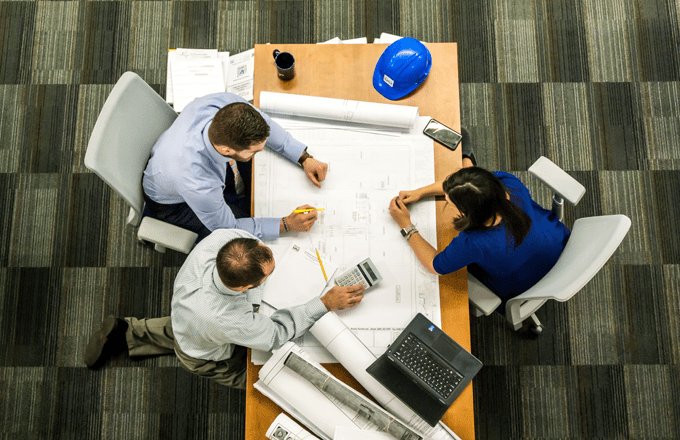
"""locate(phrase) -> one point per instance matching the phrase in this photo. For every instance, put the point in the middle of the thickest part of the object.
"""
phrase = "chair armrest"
(558, 180)
(167, 235)
(481, 296)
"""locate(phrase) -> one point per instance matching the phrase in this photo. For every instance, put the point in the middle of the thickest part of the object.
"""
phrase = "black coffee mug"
(285, 65)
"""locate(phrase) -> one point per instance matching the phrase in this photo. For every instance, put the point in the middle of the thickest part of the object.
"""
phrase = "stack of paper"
(193, 73)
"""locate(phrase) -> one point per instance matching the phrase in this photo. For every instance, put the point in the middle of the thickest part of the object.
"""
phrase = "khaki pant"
(149, 337)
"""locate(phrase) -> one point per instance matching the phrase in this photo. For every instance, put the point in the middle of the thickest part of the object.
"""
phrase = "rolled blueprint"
(285, 428)
(358, 112)
(323, 410)
(339, 340)
(328, 384)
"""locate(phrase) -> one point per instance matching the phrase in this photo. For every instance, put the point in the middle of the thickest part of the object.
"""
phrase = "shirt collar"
(212, 152)
(219, 285)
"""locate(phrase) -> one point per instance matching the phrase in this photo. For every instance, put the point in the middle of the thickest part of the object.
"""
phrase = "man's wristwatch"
(408, 231)
(304, 157)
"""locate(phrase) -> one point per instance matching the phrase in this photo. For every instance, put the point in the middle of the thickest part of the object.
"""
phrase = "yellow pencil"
(325, 277)
(300, 211)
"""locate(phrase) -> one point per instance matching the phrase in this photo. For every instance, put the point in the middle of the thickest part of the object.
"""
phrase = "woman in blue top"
(507, 241)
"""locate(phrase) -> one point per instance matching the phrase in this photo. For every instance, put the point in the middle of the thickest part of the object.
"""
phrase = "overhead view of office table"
(346, 71)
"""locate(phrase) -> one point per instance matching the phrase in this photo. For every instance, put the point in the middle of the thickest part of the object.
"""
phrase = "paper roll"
(358, 112)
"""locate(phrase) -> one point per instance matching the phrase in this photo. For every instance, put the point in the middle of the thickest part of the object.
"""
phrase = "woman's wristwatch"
(408, 231)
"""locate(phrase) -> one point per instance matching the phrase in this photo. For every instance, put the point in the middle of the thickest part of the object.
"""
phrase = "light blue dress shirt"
(185, 167)
(208, 318)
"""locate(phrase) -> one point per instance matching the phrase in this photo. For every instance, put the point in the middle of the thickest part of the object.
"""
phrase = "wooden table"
(346, 71)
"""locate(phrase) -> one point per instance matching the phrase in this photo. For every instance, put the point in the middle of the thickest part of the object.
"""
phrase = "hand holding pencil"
(301, 219)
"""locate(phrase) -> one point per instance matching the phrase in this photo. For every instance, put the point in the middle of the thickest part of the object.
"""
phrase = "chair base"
(536, 325)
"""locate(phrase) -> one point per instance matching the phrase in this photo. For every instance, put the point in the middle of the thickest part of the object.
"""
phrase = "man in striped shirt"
(213, 319)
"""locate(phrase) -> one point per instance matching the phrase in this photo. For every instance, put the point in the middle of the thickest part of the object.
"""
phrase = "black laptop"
(425, 369)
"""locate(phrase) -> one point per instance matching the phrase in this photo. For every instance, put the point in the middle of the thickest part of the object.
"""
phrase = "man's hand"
(315, 170)
(300, 222)
(339, 297)
(399, 213)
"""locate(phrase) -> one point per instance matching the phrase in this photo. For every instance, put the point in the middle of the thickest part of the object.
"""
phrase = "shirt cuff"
(295, 150)
(270, 227)
(315, 308)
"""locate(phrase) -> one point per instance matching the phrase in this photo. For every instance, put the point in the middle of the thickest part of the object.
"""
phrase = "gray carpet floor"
(591, 84)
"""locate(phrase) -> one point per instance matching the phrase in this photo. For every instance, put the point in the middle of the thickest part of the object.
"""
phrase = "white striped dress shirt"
(208, 318)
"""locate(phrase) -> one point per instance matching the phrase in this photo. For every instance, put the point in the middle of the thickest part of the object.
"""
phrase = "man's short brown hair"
(238, 126)
(241, 261)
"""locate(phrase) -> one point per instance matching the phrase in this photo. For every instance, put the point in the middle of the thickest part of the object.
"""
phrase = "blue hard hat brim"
(391, 93)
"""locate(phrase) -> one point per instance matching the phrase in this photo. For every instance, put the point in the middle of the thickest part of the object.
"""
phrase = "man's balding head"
(244, 262)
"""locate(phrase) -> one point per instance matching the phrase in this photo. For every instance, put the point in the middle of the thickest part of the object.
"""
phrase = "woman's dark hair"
(480, 196)
(238, 126)
(241, 261)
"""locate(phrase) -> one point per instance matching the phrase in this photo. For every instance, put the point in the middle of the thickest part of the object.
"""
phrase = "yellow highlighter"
(300, 211)
(322, 269)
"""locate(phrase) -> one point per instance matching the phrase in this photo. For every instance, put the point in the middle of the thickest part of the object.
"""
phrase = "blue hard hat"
(402, 67)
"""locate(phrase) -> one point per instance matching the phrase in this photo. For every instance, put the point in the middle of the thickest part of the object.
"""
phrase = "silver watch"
(408, 231)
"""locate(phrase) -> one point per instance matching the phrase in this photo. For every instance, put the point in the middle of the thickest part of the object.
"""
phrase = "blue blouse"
(506, 271)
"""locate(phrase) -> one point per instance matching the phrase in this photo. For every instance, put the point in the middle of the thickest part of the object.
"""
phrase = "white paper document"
(366, 170)
(285, 428)
(335, 40)
(193, 79)
(345, 110)
(184, 54)
(297, 277)
(241, 74)
(284, 405)
(342, 433)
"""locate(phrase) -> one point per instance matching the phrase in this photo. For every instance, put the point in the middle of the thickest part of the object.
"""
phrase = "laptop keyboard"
(413, 354)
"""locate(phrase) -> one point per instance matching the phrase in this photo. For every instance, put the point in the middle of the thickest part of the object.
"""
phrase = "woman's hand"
(409, 196)
(399, 213)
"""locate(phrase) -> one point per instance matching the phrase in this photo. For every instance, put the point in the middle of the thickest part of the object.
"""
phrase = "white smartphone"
(446, 136)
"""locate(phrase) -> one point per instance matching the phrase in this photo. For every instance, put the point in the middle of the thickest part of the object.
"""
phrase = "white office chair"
(132, 119)
(593, 240)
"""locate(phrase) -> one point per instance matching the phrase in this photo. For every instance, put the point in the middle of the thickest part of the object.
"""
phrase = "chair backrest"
(593, 240)
(131, 121)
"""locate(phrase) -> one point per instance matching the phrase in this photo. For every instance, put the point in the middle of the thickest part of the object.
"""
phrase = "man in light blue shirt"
(213, 319)
(189, 181)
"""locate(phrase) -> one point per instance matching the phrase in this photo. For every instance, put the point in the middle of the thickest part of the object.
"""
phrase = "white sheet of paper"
(362, 40)
(343, 433)
(224, 57)
(297, 277)
(241, 74)
(182, 53)
(335, 40)
(285, 428)
(269, 393)
(386, 38)
(192, 79)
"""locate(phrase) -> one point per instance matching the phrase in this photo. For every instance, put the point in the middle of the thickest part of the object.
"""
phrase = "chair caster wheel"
(538, 329)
